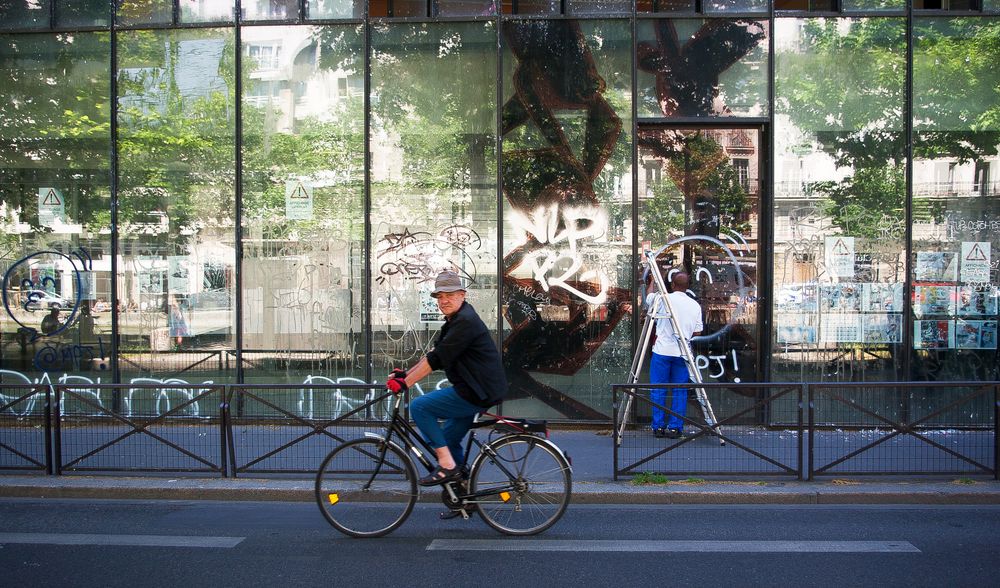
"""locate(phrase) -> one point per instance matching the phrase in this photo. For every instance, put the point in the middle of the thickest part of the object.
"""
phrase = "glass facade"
(202, 191)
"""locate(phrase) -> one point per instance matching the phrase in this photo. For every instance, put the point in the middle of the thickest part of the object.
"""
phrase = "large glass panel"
(604, 7)
(317, 9)
(701, 67)
(664, 6)
(55, 208)
(176, 211)
(873, 5)
(140, 12)
(567, 266)
(839, 234)
(24, 14)
(83, 13)
(269, 9)
(465, 7)
(699, 193)
(734, 5)
(303, 204)
(956, 198)
(207, 10)
(433, 180)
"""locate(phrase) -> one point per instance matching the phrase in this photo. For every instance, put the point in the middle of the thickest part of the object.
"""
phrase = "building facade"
(193, 191)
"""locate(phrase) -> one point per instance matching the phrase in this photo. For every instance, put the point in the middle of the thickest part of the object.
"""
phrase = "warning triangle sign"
(976, 254)
(839, 248)
(52, 198)
(299, 192)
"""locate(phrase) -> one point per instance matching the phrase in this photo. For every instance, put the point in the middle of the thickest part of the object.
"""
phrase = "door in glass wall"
(699, 195)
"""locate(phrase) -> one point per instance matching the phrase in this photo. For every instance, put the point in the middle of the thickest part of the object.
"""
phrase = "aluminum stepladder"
(660, 311)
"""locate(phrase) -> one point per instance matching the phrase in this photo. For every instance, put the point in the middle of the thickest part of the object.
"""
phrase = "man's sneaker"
(674, 434)
(659, 433)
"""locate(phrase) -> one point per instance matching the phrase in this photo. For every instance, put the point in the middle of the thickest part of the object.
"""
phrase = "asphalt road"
(206, 543)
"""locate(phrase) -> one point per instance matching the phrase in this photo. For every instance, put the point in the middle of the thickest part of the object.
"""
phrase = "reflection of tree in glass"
(555, 72)
(687, 74)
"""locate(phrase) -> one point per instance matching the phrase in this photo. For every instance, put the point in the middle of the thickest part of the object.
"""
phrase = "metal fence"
(892, 428)
(800, 430)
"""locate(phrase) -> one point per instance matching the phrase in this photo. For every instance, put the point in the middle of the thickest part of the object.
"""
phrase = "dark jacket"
(465, 351)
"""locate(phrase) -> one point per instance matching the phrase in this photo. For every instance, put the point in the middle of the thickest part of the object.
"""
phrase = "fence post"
(996, 432)
(57, 431)
(48, 430)
(811, 409)
(229, 430)
(614, 432)
(803, 387)
(223, 432)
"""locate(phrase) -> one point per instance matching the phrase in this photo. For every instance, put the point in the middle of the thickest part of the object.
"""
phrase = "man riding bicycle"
(466, 352)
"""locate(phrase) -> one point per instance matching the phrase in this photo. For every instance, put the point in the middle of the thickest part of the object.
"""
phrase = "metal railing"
(800, 430)
(881, 428)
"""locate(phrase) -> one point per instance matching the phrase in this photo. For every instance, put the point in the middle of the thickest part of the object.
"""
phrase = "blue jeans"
(457, 412)
(666, 369)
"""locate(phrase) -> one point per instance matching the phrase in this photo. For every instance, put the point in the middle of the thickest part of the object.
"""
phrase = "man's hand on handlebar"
(396, 385)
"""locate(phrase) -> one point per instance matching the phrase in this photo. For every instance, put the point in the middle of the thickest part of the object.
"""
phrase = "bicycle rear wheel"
(357, 510)
(529, 484)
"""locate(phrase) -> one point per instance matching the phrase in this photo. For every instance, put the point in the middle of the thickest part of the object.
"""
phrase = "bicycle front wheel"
(524, 482)
(362, 494)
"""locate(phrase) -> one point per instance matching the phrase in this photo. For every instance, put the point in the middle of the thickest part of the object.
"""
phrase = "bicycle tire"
(377, 510)
(538, 495)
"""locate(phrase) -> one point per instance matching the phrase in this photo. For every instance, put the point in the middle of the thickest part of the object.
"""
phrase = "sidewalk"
(593, 483)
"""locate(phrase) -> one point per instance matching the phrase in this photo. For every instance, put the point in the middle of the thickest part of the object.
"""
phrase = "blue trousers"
(666, 369)
(457, 412)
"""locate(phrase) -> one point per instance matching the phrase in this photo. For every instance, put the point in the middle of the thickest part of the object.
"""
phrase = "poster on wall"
(883, 328)
(976, 334)
(933, 334)
(298, 200)
(975, 261)
(429, 311)
(936, 266)
(51, 207)
(844, 297)
(798, 297)
(839, 256)
(178, 281)
(796, 328)
(840, 328)
(975, 301)
(882, 298)
(933, 300)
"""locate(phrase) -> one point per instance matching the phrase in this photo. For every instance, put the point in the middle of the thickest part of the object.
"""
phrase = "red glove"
(396, 385)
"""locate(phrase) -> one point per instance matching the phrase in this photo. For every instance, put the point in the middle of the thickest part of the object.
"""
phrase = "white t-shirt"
(688, 317)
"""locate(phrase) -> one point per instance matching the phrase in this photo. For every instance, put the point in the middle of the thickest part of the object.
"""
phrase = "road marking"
(674, 546)
(122, 540)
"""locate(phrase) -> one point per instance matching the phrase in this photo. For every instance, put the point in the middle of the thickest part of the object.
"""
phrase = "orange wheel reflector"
(334, 498)
(505, 496)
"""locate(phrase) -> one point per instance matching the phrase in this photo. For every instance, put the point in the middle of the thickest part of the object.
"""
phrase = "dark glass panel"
(83, 13)
(465, 7)
(699, 192)
(710, 67)
(604, 7)
(25, 14)
(806, 5)
(665, 6)
(734, 5)
(534, 7)
(567, 266)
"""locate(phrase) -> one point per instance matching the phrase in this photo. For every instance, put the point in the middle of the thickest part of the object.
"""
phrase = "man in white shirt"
(667, 365)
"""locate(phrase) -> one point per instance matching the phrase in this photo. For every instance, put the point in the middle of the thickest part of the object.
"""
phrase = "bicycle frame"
(407, 433)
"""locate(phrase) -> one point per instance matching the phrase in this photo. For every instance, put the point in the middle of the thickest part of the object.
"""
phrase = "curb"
(185, 489)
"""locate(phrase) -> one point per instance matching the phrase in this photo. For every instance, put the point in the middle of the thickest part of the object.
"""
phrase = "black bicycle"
(519, 481)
